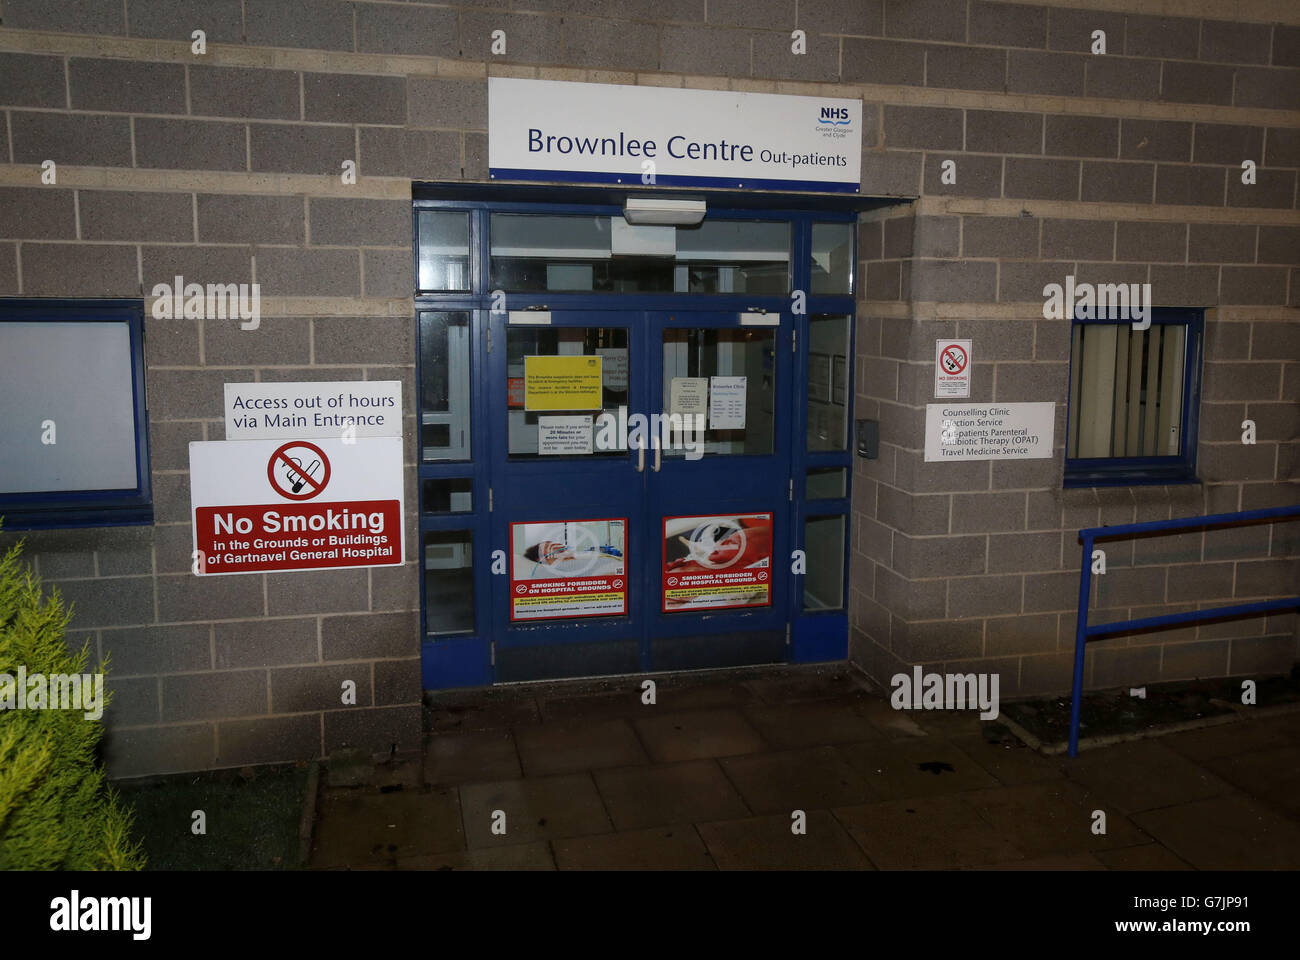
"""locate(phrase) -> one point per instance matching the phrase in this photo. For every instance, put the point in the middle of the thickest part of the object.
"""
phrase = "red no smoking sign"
(953, 358)
(952, 368)
(241, 526)
(298, 470)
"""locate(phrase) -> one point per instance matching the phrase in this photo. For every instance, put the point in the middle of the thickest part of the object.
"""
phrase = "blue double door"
(641, 491)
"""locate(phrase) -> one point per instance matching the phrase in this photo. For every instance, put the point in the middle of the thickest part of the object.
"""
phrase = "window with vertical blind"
(1133, 400)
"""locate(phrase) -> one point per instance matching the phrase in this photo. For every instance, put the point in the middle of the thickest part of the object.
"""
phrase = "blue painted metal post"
(1080, 642)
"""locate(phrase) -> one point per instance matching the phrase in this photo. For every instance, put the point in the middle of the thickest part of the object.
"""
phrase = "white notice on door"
(727, 403)
(564, 435)
(615, 367)
(688, 395)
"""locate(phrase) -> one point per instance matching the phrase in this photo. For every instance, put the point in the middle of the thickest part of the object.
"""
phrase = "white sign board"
(996, 431)
(615, 367)
(266, 411)
(727, 403)
(688, 395)
(564, 435)
(622, 133)
(952, 360)
(271, 505)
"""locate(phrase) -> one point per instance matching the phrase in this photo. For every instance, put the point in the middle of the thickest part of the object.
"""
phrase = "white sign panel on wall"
(989, 431)
(362, 408)
(952, 368)
(622, 133)
(270, 505)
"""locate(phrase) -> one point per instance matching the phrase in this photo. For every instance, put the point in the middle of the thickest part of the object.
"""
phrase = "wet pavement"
(723, 769)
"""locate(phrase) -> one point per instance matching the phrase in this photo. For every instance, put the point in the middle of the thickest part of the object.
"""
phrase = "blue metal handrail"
(1083, 632)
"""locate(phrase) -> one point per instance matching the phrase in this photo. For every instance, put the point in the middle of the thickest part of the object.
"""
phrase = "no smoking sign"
(952, 368)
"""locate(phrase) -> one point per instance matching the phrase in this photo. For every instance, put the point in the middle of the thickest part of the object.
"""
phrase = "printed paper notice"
(615, 366)
(727, 403)
(562, 383)
(688, 395)
(564, 435)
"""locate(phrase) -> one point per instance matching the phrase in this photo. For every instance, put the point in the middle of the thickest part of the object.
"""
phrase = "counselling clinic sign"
(625, 134)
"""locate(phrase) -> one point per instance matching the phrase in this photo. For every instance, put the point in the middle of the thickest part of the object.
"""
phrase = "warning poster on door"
(274, 505)
(712, 562)
(562, 383)
(569, 568)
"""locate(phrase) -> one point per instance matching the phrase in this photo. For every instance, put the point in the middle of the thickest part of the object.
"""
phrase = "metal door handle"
(658, 454)
(640, 458)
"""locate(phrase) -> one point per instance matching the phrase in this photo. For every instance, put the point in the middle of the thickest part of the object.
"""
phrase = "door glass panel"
(832, 258)
(825, 483)
(580, 253)
(444, 385)
(725, 380)
(823, 584)
(561, 431)
(444, 251)
(828, 382)
(448, 496)
(449, 581)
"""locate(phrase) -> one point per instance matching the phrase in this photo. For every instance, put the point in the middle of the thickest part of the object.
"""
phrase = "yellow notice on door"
(562, 383)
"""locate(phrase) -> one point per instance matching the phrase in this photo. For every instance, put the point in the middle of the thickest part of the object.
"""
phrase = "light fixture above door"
(658, 211)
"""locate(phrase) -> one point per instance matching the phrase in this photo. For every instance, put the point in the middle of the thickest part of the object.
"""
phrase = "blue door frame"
(538, 491)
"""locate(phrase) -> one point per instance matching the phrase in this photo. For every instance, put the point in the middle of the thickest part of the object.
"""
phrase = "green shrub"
(56, 811)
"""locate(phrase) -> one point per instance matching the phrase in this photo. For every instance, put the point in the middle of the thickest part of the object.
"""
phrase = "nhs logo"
(836, 115)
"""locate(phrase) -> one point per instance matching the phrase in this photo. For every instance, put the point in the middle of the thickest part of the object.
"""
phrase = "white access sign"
(989, 431)
(343, 408)
(622, 133)
(952, 362)
(276, 505)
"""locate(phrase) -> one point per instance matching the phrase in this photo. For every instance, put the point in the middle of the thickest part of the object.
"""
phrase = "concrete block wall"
(225, 167)
(975, 566)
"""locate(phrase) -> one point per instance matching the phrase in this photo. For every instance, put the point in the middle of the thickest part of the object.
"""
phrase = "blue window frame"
(74, 429)
(1134, 400)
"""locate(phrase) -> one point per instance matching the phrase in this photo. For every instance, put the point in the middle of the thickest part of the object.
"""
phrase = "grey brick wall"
(225, 168)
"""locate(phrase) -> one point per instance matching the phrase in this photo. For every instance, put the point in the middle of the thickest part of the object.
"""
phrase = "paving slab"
(356, 829)
(915, 767)
(676, 793)
(538, 809)
(480, 712)
(1011, 761)
(516, 856)
(658, 848)
(1148, 856)
(478, 755)
(1076, 861)
(1052, 818)
(767, 843)
(576, 745)
(693, 734)
(812, 723)
(1229, 832)
(1143, 775)
(925, 833)
(808, 779)
(793, 686)
(1271, 776)
(1243, 736)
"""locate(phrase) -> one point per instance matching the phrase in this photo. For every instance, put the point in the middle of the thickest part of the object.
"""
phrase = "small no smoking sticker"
(952, 368)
